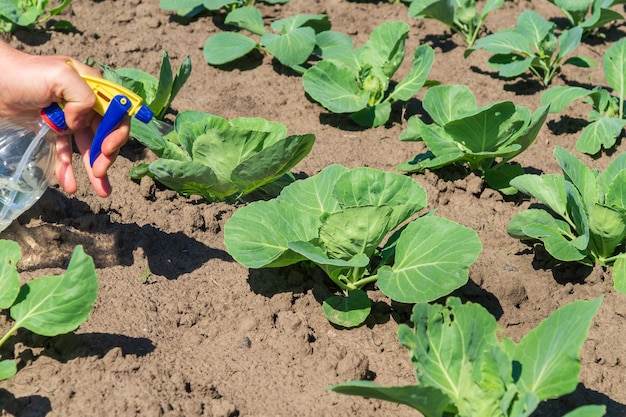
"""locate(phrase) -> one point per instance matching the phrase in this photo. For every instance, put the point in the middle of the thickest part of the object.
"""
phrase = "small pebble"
(246, 342)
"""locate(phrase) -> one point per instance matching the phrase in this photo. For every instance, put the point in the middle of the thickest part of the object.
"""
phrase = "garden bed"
(181, 329)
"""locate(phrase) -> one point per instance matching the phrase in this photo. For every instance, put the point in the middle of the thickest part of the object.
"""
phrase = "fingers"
(97, 175)
(98, 172)
(63, 168)
(102, 164)
(85, 69)
(110, 147)
(116, 139)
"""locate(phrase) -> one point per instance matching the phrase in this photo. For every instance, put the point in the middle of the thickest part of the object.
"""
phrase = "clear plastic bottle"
(27, 158)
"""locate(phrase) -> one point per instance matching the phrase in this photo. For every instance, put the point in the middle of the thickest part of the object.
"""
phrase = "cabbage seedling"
(607, 113)
(465, 369)
(291, 40)
(533, 46)
(222, 160)
(461, 16)
(48, 306)
(483, 138)
(358, 81)
(589, 14)
(584, 215)
(348, 222)
(192, 8)
(30, 13)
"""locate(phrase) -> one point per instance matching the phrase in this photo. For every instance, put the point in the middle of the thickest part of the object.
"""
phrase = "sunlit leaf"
(50, 306)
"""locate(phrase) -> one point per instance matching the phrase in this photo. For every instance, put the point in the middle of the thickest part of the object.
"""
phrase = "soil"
(181, 329)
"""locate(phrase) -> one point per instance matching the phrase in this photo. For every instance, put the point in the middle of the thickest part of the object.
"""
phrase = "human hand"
(33, 83)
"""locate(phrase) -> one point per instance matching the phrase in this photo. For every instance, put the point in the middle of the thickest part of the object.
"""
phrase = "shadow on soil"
(69, 346)
(63, 348)
(580, 397)
(442, 41)
(562, 272)
(298, 279)
(268, 282)
(168, 254)
(69, 222)
(476, 294)
(35, 405)
(523, 85)
(567, 125)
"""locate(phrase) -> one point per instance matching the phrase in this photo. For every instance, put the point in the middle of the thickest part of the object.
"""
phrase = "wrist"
(11, 64)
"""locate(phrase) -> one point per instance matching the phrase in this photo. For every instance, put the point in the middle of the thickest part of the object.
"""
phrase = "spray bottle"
(28, 152)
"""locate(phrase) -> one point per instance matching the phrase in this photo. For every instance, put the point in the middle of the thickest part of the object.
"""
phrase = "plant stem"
(473, 34)
(536, 73)
(340, 284)
(363, 282)
(9, 334)
(614, 258)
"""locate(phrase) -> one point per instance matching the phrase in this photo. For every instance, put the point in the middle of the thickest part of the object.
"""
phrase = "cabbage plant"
(607, 105)
(352, 223)
(589, 14)
(48, 305)
(290, 40)
(533, 46)
(28, 14)
(583, 213)
(358, 81)
(222, 160)
(464, 368)
(484, 138)
(461, 16)
(191, 8)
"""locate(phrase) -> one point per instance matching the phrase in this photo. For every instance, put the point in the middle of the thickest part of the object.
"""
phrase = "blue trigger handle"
(112, 117)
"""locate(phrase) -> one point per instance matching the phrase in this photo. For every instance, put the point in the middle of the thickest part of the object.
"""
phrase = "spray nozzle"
(113, 103)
